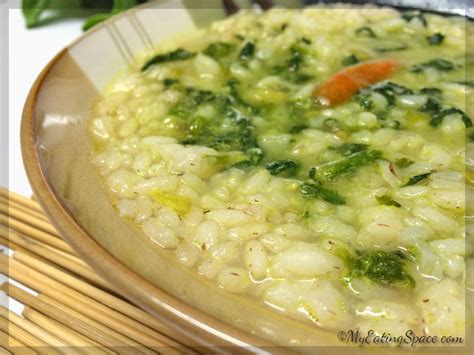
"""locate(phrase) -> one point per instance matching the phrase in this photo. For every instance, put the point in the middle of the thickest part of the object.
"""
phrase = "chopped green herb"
(436, 39)
(387, 201)
(403, 162)
(365, 31)
(470, 136)
(332, 125)
(219, 50)
(178, 54)
(179, 204)
(466, 83)
(287, 168)
(438, 64)
(310, 190)
(438, 117)
(297, 128)
(396, 48)
(233, 88)
(387, 89)
(431, 91)
(348, 149)
(431, 106)
(170, 82)
(408, 16)
(417, 178)
(350, 60)
(345, 166)
(247, 51)
(383, 267)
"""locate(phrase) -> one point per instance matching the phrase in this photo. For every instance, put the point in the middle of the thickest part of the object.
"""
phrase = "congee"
(311, 159)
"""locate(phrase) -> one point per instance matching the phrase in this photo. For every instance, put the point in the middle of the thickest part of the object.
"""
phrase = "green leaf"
(287, 168)
(387, 201)
(176, 55)
(417, 178)
(403, 162)
(310, 190)
(32, 10)
(344, 167)
(247, 51)
(365, 31)
(348, 149)
(383, 267)
(350, 60)
(437, 63)
(408, 16)
(436, 39)
(438, 118)
(118, 6)
(219, 49)
(93, 20)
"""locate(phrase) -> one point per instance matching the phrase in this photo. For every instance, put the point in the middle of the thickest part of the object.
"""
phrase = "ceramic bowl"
(57, 158)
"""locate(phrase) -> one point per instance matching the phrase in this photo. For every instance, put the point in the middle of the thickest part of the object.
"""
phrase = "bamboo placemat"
(72, 310)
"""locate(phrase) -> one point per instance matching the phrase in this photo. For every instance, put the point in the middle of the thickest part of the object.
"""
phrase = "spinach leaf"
(432, 106)
(417, 178)
(232, 86)
(226, 130)
(403, 162)
(295, 129)
(387, 89)
(297, 51)
(247, 51)
(470, 136)
(438, 117)
(431, 91)
(170, 82)
(408, 16)
(176, 55)
(436, 39)
(386, 268)
(350, 60)
(396, 48)
(345, 166)
(438, 64)
(466, 83)
(310, 190)
(365, 31)
(287, 168)
(219, 50)
(387, 201)
(350, 148)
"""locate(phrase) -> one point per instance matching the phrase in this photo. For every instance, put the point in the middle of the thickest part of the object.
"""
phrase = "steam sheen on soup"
(313, 159)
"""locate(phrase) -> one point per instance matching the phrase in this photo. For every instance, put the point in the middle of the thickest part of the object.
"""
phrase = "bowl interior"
(57, 156)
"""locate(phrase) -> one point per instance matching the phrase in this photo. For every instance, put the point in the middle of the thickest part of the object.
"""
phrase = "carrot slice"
(342, 85)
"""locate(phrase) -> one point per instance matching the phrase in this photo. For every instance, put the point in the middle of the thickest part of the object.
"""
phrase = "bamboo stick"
(71, 338)
(38, 235)
(26, 338)
(23, 208)
(66, 261)
(40, 333)
(100, 296)
(29, 219)
(89, 307)
(14, 345)
(12, 196)
(124, 328)
(90, 329)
